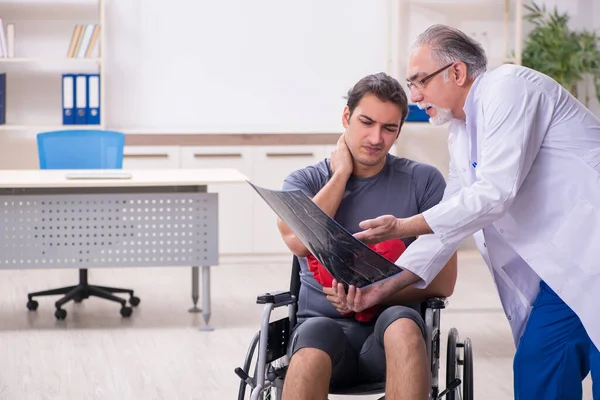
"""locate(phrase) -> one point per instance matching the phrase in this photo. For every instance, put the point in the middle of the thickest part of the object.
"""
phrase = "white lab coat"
(532, 200)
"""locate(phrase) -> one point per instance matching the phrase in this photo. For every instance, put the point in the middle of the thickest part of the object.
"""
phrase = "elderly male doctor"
(525, 180)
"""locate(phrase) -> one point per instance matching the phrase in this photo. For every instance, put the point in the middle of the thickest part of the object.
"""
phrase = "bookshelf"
(41, 45)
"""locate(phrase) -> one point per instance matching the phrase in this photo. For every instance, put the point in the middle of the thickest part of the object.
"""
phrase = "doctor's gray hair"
(450, 45)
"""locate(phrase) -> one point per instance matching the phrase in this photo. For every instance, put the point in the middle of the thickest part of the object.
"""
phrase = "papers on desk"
(99, 175)
(347, 259)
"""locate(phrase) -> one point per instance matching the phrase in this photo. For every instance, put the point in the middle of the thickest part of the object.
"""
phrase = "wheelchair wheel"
(272, 392)
(452, 362)
(467, 370)
(455, 364)
(246, 367)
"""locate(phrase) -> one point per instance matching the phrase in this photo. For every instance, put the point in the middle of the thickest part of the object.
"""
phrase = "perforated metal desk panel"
(153, 218)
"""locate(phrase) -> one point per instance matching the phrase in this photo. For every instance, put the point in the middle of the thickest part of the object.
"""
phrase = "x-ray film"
(347, 259)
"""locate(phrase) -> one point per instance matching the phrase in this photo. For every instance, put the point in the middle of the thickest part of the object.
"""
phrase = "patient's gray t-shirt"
(403, 188)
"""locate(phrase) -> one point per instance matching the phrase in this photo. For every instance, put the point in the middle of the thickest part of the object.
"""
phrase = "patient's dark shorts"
(356, 348)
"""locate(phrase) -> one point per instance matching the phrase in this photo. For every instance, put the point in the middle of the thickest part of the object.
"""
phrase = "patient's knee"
(319, 333)
(402, 323)
(403, 331)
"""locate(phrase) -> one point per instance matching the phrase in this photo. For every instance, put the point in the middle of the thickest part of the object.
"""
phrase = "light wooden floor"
(159, 353)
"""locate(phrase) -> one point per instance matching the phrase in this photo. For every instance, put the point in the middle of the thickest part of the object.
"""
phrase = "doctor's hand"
(380, 229)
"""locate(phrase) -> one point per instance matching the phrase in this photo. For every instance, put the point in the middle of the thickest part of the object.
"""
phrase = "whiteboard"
(239, 66)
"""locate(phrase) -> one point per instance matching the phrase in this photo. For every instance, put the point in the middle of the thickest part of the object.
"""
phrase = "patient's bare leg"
(407, 372)
(308, 375)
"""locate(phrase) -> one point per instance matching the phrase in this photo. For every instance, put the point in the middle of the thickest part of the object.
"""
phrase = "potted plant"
(568, 56)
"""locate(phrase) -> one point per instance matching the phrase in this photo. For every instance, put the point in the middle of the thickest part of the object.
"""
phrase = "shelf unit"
(31, 12)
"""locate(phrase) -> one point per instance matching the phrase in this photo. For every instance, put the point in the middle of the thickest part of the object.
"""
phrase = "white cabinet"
(271, 165)
(151, 157)
(235, 200)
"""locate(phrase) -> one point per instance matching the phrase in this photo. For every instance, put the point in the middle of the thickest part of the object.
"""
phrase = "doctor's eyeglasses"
(420, 84)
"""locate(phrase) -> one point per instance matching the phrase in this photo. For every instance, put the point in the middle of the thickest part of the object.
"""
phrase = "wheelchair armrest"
(278, 299)
(437, 303)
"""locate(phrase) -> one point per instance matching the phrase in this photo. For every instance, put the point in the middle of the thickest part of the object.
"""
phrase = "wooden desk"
(151, 218)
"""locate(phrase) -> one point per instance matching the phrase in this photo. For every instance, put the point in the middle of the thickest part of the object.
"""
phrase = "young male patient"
(330, 347)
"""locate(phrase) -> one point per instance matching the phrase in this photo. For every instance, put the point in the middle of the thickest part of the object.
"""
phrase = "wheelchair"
(268, 373)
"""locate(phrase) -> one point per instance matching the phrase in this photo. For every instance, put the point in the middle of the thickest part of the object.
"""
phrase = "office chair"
(82, 149)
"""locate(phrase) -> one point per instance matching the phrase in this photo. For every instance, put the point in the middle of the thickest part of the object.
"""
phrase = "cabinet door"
(151, 157)
(235, 200)
(271, 165)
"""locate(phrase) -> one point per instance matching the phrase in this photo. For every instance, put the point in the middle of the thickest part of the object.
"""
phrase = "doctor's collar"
(472, 93)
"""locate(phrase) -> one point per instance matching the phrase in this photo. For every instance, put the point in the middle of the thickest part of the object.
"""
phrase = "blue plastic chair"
(82, 149)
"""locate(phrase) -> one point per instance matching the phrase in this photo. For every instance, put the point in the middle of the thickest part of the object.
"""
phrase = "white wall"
(244, 66)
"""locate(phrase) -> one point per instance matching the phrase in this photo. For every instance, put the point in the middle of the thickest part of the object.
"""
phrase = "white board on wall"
(238, 65)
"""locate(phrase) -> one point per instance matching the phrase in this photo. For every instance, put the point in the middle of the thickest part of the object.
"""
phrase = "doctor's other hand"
(379, 229)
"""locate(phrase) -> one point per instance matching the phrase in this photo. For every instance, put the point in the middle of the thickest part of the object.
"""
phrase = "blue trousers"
(555, 353)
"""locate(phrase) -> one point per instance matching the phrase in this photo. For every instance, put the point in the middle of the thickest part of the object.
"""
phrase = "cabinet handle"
(212, 155)
(153, 155)
(290, 155)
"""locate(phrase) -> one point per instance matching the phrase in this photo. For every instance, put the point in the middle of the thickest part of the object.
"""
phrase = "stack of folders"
(81, 99)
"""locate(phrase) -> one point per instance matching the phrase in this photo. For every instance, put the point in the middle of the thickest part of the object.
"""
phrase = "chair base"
(83, 291)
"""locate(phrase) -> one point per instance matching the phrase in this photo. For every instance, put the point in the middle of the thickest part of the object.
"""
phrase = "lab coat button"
(484, 244)
(501, 230)
(510, 317)
(464, 170)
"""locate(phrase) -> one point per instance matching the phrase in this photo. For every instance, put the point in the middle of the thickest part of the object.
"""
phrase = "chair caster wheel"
(134, 301)
(126, 312)
(60, 314)
(32, 305)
